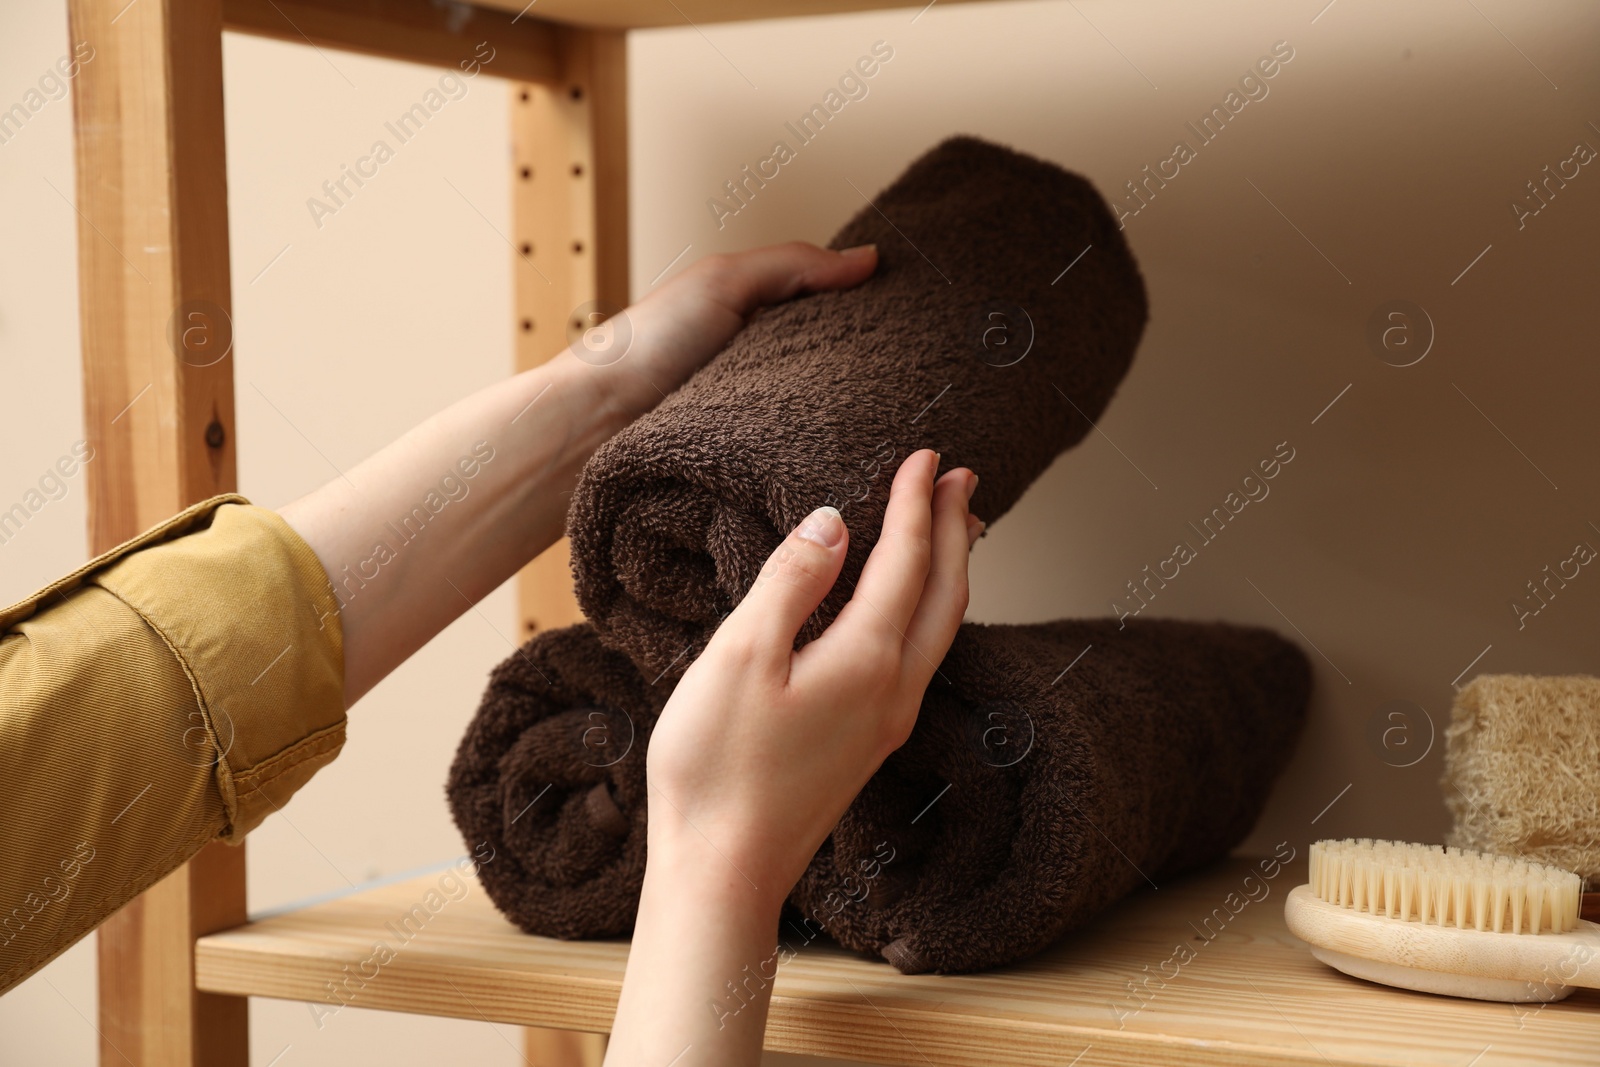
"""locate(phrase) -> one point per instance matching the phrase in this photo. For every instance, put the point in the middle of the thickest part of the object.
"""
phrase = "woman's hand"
(675, 329)
(524, 450)
(761, 749)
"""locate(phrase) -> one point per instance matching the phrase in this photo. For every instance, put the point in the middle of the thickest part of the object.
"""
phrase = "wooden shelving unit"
(176, 964)
(1252, 996)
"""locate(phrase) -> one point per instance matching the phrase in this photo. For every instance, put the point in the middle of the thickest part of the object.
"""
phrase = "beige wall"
(40, 417)
(1384, 158)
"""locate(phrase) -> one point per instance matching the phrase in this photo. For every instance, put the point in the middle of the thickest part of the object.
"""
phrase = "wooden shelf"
(643, 14)
(1251, 996)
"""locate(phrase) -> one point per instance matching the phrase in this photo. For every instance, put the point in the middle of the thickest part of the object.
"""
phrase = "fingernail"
(824, 527)
(858, 250)
(972, 486)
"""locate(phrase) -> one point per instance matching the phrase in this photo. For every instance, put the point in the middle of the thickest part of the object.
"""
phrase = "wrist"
(704, 955)
(634, 359)
(684, 865)
(586, 389)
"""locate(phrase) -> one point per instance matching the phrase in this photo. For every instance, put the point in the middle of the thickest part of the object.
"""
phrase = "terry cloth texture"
(973, 338)
(1522, 769)
(550, 775)
(1154, 753)
(1028, 800)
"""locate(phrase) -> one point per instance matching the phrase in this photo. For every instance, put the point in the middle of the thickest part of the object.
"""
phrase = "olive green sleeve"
(176, 690)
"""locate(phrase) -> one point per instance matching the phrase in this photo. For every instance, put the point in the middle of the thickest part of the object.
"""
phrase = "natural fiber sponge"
(1522, 769)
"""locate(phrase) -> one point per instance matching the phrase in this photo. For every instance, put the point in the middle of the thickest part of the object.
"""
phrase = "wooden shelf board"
(645, 14)
(1251, 996)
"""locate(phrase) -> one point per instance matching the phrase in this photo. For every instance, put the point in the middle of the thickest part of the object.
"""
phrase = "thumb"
(792, 583)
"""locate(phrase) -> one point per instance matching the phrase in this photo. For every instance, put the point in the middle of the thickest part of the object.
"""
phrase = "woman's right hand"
(762, 748)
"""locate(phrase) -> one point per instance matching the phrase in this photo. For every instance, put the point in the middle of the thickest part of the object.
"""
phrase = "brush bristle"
(1445, 886)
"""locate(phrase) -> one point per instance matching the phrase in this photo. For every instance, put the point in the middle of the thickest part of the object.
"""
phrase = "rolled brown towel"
(1028, 800)
(551, 775)
(1153, 753)
(1004, 312)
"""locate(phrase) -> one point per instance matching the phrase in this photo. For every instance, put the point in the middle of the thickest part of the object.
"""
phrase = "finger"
(891, 582)
(944, 595)
(777, 272)
(975, 528)
(792, 583)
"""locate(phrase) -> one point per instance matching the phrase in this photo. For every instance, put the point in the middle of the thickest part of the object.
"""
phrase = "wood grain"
(1249, 995)
(419, 31)
(569, 181)
(152, 262)
(563, 1048)
(570, 206)
(154, 301)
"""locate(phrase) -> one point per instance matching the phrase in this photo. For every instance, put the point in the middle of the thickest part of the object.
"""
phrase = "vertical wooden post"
(158, 409)
(570, 181)
(563, 1048)
(570, 200)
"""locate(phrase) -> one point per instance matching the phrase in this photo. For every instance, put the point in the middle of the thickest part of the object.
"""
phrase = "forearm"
(700, 968)
(399, 582)
(416, 534)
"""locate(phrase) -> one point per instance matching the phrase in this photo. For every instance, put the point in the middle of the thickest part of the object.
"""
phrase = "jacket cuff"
(248, 611)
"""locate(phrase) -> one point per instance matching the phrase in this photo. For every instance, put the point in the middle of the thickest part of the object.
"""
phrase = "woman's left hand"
(675, 329)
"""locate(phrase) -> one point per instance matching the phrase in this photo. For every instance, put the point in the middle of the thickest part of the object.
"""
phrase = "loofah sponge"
(1522, 769)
